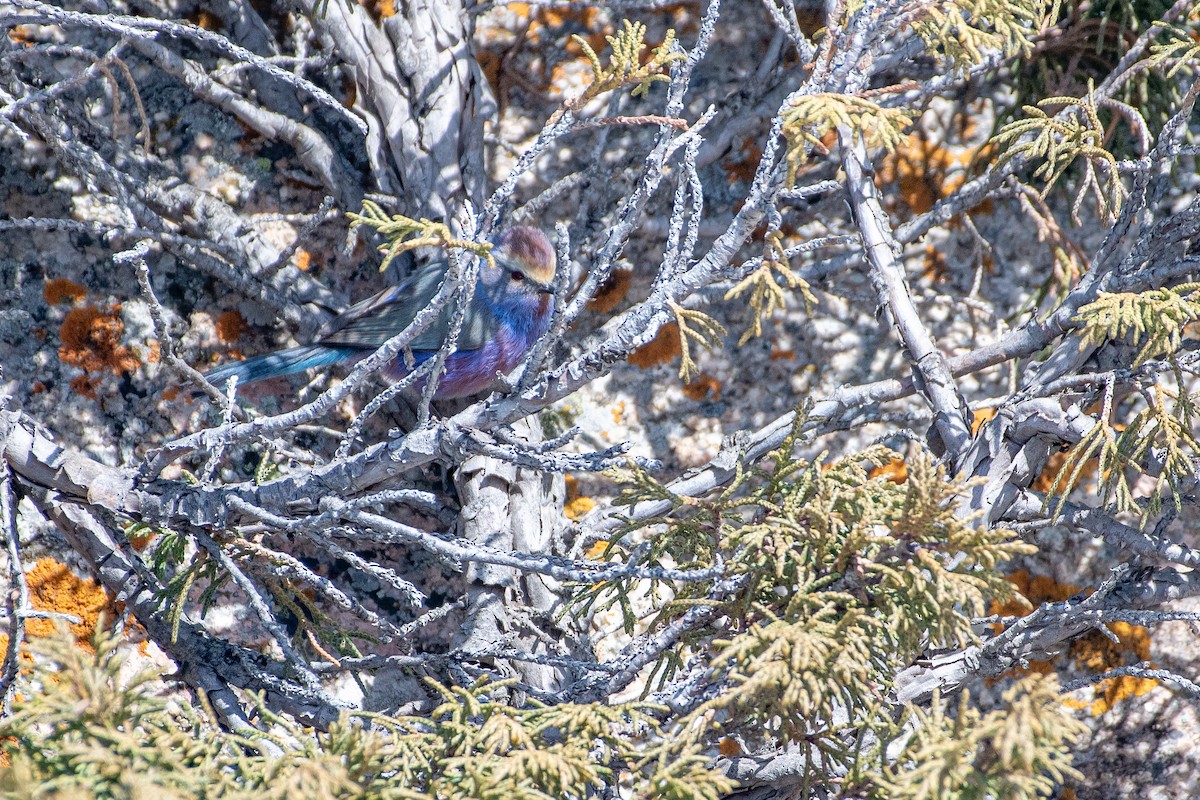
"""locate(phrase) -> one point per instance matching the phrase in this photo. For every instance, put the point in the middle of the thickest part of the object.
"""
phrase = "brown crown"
(530, 251)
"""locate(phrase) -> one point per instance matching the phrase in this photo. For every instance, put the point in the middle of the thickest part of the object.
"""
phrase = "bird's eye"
(517, 276)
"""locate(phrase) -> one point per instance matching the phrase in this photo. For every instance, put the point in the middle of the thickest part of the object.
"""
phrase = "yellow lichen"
(618, 412)
(578, 507)
(1094, 652)
(895, 471)
(54, 587)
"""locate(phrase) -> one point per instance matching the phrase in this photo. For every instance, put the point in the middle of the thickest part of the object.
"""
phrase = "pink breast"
(471, 372)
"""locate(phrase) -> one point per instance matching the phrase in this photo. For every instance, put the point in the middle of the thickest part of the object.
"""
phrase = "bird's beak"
(545, 288)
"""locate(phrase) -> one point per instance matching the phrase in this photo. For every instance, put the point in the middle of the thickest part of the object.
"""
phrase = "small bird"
(509, 311)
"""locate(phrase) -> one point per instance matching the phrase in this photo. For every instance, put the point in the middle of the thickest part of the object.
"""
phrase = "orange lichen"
(595, 40)
(578, 507)
(303, 259)
(895, 471)
(828, 140)
(140, 541)
(231, 326)
(612, 292)
(703, 387)
(53, 587)
(1098, 653)
(934, 267)
(1035, 589)
(743, 161)
(577, 504)
(781, 355)
(208, 21)
(379, 9)
(618, 412)
(560, 80)
(926, 171)
(1102, 653)
(1094, 652)
(21, 35)
(659, 350)
(918, 167)
(91, 341)
(536, 28)
(63, 290)
(491, 63)
(550, 20)
(982, 417)
(1054, 465)
(729, 747)
(597, 550)
(83, 385)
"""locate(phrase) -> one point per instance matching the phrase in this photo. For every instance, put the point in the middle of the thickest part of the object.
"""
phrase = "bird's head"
(525, 264)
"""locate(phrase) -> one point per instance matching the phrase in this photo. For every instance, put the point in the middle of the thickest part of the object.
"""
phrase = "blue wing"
(282, 362)
(371, 322)
(368, 324)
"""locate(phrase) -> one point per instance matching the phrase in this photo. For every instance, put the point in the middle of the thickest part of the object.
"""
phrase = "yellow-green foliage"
(839, 579)
(793, 676)
(78, 730)
(842, 579)
(813, 116)
(397, 228)
(1153, 318)
(1057, 140)
(698, 326)
(808, 536)
(1019, 752)
(966, 31)
(1158, 440)
(1159, 434)
(625, 67)
(766, 295)
(475, 745)
(1180, 50)
(1082, 42)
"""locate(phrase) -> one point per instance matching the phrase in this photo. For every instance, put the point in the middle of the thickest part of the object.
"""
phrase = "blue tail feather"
(283, 362)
